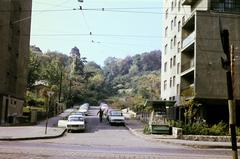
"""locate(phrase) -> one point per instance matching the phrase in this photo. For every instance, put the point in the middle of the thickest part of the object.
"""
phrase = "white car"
(78, 113)
(84, 108)
(115, 117)
(76, 122)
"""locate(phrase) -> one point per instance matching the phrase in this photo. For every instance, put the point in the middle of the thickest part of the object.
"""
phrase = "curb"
(202, 146)
(34, 138)
(137, 134)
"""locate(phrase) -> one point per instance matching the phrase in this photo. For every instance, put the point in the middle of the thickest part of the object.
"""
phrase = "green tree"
(34, 70)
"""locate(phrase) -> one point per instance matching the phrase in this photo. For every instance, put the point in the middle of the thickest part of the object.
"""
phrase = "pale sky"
(125, 27)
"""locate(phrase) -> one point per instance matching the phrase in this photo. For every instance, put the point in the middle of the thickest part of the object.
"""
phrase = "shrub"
(238, 131)
(195, 129)
(203, 129)
(219, 129)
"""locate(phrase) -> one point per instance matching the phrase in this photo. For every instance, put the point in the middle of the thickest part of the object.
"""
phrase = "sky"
(123, 28)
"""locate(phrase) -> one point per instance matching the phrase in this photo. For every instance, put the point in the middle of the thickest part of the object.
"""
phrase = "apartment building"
(201, 75)
(175, 16)
(15, 20)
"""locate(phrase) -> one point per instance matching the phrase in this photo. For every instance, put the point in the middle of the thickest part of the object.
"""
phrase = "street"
(102, 141)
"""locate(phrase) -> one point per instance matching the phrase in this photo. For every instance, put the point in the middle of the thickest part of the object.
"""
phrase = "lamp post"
(50, 94)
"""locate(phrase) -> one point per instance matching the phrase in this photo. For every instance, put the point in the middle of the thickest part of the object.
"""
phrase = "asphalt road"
(102, 141)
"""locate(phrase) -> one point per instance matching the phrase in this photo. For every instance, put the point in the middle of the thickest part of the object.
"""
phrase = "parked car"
(76, 122)
(78, 113)
(115, 117)
(84, 108)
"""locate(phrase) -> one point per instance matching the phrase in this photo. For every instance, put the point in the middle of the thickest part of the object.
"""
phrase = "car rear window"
(76, 119)
(116, 113)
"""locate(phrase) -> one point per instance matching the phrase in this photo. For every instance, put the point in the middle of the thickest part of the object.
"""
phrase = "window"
(166, 32)
(173, 98)
(179, 5)
(178, 89)
(183, 20)
(229, 4)
(178, 47)
(165, 84)
(165, 66)
(166, 14)
(165, 49)
(178, 68)
(171, 46)
(170, 84)
(171, 63)
(179, 26)
(175, 20)
(174, 60)
(175, 4)
(173, 83)
(172, 6)
(174, 40)
(171, 24)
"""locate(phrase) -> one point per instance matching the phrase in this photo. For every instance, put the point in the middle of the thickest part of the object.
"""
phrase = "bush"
(219, 129)
(196, 129)
(238, 131)
(202, 128)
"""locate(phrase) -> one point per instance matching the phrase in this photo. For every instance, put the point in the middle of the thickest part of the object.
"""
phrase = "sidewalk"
(32, 132)
(136, 127)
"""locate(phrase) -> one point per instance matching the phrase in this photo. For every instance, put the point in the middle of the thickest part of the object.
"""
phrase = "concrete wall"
(210, 78)
(15, 22)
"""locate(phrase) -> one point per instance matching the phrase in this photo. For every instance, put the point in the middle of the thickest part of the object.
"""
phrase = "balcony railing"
(187, 65)
(188, 40)
(228, 6)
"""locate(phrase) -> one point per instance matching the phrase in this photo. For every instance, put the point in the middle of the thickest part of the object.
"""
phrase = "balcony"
(188, 65)
(188, 40)
(188, 92)
(189, 2)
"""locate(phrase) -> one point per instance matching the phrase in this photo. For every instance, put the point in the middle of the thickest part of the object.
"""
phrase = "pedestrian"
(100, 112)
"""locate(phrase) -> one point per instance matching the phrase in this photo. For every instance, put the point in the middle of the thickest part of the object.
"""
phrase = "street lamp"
(50, 94)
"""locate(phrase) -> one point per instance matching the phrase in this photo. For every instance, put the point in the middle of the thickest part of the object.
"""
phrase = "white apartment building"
(191, 60)
(175, 16)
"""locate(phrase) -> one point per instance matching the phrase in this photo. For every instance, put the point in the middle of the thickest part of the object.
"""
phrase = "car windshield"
(79, 113)
(116, 113)
(75, 119)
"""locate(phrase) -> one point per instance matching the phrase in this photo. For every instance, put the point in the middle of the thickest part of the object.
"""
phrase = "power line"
(104, 35)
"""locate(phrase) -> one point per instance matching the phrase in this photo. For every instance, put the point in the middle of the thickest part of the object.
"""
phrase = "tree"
(191, 110)
(34, 70)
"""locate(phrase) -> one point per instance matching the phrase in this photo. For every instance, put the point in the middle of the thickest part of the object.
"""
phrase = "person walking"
(100, 112)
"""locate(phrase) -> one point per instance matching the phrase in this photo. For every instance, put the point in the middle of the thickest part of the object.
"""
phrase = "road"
(102, 141)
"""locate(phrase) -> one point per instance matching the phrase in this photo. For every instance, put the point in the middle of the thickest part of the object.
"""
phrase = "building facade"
(201, 75)
(175, 16)
(15, 22)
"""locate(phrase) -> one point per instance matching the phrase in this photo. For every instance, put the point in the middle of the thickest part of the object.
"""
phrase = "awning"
(159, 104)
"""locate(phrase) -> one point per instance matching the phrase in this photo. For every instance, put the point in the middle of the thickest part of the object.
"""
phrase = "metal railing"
(227, 6)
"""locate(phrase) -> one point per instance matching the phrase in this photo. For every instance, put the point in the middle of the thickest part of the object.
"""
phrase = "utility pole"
(60, 87)
(228, 65)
